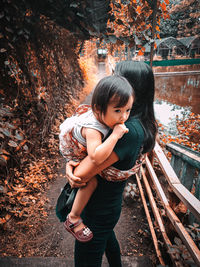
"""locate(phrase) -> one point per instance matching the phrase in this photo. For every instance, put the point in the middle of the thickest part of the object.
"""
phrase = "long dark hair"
(115, 87)
(140, 76)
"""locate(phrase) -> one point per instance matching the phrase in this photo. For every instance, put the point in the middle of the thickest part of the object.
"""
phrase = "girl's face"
(116, 115)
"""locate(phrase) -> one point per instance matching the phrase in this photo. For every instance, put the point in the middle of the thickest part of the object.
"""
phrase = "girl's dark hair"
(116, 87)
(140, 76)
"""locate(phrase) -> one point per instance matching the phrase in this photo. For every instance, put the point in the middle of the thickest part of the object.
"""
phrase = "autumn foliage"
(40, 86)
(130, 24)
(188, 132)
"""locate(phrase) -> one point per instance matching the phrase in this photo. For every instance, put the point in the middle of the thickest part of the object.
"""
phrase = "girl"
(84, 134)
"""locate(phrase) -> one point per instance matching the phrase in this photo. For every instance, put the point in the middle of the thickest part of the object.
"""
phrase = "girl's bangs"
(119, 101)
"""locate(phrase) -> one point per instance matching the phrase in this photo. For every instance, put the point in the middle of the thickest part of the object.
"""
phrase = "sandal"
(83, 235)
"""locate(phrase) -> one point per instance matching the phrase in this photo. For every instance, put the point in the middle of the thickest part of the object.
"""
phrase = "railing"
(175, 62)
(169, 202)
(186, 164)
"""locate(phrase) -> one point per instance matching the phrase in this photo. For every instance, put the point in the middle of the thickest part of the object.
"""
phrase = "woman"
(103, 210)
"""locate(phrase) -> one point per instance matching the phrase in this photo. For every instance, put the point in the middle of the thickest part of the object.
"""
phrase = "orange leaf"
(8, 216)
(163, 6)
(2, 220)
(19, 189)
(157, 28)
(138, 10)
(5, 152)
(140, 53)
(5, 157)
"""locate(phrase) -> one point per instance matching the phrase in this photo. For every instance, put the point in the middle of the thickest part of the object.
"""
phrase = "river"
(177, 94)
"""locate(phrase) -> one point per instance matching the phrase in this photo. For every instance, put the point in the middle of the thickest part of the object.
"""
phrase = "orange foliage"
(134, 19)
(163, 6)
(140, 53)
(188, 133)
(139, 10)
(36, 102)
(88, 67)
(26, 189)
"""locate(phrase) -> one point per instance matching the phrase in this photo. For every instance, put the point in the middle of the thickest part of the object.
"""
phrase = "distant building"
(102, 53)
(166, 48)
(192, 45)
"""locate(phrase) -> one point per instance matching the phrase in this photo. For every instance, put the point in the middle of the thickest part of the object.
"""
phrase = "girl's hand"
(119, 130)
(72, 179)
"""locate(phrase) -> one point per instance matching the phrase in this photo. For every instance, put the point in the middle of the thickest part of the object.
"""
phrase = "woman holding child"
(104, 206)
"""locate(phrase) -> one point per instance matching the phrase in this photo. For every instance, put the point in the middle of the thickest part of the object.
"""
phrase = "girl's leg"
(112, 251)
(82, 197)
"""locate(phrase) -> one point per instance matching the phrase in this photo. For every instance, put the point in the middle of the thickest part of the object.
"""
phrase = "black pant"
(101, 215)
(93, 253)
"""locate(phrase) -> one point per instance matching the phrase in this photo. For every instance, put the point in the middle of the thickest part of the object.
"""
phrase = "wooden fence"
(186, 164)
(153, 186)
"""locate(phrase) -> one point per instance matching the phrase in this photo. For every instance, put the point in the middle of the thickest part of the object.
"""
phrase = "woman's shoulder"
(128, 147)
(133, 120)
(134, 125)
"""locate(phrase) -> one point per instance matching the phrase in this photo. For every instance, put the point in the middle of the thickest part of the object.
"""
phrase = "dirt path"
(132, 229)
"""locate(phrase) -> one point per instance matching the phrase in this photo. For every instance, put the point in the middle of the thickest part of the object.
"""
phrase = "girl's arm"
(79, 175)
(98, 151)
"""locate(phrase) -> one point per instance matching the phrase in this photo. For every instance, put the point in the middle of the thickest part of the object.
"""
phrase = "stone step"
(127, 261)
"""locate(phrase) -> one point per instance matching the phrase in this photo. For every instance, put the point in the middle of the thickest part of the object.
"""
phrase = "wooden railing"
(186, 164)
(152, 185)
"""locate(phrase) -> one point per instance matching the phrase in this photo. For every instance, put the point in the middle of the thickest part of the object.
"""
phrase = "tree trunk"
(153, 31)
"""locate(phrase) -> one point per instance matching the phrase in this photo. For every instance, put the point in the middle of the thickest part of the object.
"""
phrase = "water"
(167, 113)
(177, 94)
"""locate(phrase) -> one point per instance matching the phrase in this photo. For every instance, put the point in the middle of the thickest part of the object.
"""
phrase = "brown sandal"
(83, 235)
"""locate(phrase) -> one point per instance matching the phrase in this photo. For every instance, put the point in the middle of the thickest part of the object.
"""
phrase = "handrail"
(175, 62)
(192, 203)
(191, 157)
(182, 192)
(186, 164)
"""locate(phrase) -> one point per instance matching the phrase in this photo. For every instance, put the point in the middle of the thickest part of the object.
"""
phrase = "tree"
(183, 21)
(189, 14)
(131, 22)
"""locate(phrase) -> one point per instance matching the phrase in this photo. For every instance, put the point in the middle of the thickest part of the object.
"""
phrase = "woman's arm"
(86, 170)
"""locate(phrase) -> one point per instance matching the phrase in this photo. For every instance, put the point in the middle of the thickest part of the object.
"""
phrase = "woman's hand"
(138, 163)
(73, 180)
